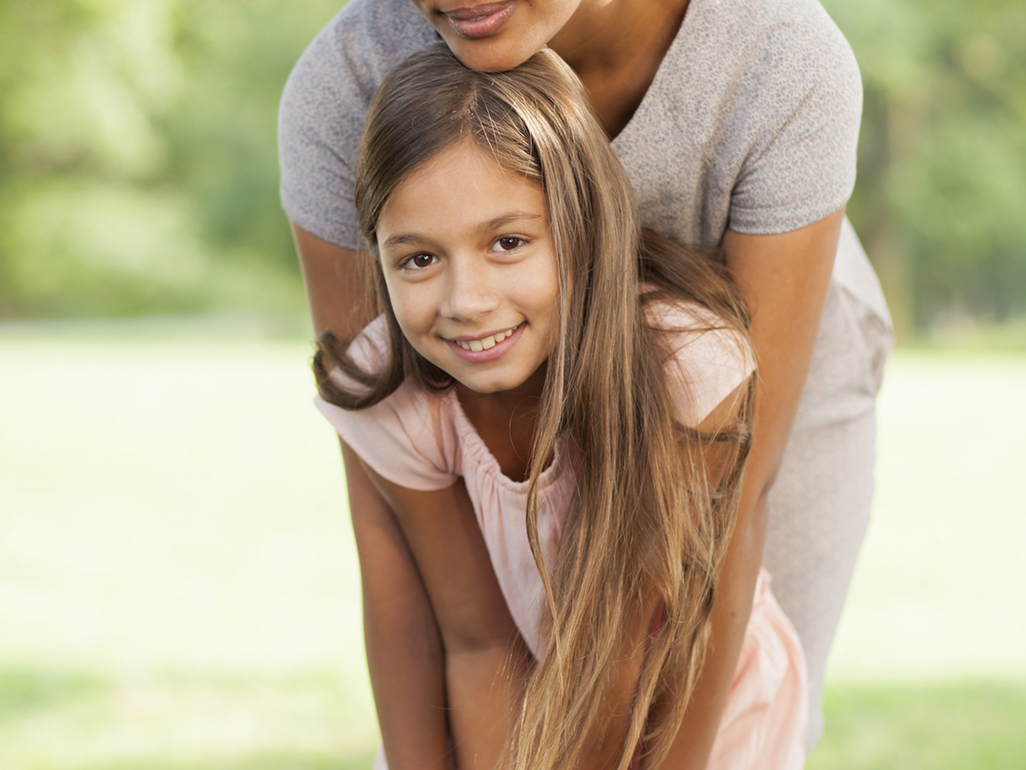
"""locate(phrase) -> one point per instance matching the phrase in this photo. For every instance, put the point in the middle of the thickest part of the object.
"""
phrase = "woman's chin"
(489, 55)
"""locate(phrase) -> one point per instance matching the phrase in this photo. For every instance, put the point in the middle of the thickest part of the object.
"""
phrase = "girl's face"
(495, 35)
(470, 266)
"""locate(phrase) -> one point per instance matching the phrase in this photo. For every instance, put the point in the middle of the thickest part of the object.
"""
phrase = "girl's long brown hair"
(649, 519)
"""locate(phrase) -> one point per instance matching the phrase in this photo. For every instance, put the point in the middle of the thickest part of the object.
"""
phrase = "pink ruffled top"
(425, 441)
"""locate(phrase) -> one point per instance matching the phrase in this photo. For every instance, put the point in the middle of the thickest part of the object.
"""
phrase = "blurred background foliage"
(941, 191)
(138, 169)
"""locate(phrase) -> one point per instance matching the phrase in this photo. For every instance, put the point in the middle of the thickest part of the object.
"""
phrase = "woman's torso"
(751, 122)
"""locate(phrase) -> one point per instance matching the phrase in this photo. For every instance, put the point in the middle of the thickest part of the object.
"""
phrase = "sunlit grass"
(952, 725)
(69, 720)
(178, 583)
(938, 589)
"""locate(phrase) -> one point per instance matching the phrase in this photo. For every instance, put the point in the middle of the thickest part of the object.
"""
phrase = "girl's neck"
(506, 422)
(616, 47)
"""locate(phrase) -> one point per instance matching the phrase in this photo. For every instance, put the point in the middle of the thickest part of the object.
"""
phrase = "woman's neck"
(616, 47)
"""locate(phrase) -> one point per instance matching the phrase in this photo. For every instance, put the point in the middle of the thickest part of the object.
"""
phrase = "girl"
(535, 362)
(737, 122)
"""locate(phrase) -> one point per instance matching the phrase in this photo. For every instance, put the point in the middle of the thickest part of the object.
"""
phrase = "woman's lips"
(481, 20)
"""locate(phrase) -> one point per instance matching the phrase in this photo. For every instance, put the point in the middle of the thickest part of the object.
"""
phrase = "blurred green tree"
(941, 198)
(138, 169)
(138, 166)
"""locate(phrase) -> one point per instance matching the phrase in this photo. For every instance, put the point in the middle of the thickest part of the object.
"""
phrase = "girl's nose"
(470, 291)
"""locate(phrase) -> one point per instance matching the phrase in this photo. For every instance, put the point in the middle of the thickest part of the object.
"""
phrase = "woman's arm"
(333, 283)
(404, 652)
(784, 279)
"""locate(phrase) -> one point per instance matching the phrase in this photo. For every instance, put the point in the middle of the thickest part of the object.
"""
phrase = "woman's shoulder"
(762, 102)
(755, 24)
(792, 44)
(323, 106)
(364, 42)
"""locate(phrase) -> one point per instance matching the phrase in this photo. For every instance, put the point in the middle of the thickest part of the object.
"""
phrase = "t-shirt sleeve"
(798, 108)
(707, 362)
(323, 107)
(751, 123)
(406, 437)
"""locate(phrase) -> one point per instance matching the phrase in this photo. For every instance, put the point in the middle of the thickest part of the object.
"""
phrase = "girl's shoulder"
(409, 437)
(706, 358)
(371, 349)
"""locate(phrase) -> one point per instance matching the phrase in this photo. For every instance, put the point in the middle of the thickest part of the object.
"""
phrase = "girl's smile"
(470, 265)
(487, 348)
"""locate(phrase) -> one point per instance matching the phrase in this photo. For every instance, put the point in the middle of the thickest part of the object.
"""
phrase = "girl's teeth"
(488, 342)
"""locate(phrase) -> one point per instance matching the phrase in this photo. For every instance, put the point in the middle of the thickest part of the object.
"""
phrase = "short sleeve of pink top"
(425, 441)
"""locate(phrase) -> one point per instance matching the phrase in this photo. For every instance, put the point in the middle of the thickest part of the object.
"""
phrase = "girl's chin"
(488, 388)
(510, 383)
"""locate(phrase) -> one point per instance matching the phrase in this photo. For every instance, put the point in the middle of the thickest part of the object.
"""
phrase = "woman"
(737, 122)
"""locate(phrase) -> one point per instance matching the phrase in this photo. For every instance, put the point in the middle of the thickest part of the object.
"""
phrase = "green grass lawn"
(178, 583)
(916, 725)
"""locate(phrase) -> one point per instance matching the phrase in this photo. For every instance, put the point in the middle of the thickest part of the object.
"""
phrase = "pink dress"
(425, 441)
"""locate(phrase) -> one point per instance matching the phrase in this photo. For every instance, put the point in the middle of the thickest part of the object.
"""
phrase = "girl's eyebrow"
(403, 239)
(415, 239)
(505, 219)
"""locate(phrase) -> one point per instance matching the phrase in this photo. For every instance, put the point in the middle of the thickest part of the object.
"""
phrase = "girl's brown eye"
(421, 260)
(508, 243)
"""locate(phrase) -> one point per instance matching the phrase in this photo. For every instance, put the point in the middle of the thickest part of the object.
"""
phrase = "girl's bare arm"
(404, 652)
(404, 648)
(486, 659)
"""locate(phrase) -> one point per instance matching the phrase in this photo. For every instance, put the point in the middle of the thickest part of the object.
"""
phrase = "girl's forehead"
(460, 189)
(511, 162)
(452, 162)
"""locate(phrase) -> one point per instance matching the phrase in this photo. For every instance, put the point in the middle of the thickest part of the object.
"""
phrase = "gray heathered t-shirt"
(751, 123)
